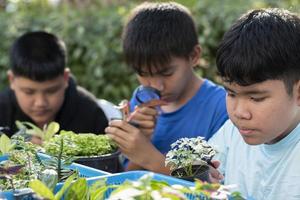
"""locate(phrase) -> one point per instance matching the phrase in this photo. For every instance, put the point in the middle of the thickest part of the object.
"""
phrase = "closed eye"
(257, 99)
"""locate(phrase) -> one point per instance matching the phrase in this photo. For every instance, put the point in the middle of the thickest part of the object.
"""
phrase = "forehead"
(26, 83)
(163, 67)
(268, 86)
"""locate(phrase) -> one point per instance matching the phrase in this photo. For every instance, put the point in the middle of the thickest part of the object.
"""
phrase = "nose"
(157, 83)
(40, 100)
(241, 110)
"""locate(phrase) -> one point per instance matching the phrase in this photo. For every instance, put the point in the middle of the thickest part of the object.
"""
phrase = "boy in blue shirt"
(160, 43)
(259, 146)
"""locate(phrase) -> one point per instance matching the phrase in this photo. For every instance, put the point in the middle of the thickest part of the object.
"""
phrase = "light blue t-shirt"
(268, 172)
(202, 115)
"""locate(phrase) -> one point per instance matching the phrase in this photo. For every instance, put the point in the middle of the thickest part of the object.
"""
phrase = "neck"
(190, 91)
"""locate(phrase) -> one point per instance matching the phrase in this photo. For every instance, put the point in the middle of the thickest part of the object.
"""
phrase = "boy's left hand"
(144, 118)
(215, 175)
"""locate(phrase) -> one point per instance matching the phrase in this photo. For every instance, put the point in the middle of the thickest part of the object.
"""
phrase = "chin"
(252, 141)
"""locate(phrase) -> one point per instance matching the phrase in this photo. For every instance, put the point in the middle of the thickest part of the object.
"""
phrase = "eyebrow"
(160, 71)
(249, 92)
(54, 87)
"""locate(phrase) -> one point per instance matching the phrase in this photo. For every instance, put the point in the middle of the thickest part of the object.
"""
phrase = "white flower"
(189, 151)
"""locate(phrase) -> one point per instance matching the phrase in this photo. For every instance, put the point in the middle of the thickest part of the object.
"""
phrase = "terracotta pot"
(199, 172)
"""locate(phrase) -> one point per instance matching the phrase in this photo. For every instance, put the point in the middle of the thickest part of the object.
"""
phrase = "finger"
(123, 125)
(147, 132)
(146, 110)
(116, 132)
(215, 175)
(153, 103)
(118, 141)
(215, 163)
(143, 124)
(143, 114)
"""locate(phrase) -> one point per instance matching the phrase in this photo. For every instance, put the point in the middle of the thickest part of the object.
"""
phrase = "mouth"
(246, 131)
(166, 98)
(40, 112)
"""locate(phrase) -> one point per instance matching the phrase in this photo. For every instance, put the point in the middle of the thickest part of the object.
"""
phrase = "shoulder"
(211, 96)
(7, 100)
(211, 88)
(6, 95)
(79, 100)
(226, 134)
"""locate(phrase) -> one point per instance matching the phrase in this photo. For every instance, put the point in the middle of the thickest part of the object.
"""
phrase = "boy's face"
(263, 112)
(174, 80)
(39, 100)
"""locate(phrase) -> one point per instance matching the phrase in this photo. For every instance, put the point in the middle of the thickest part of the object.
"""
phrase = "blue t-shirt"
(202, 116)
(265, 171)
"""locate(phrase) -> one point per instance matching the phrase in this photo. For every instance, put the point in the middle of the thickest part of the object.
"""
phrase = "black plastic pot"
(109, 163)
(200, 172)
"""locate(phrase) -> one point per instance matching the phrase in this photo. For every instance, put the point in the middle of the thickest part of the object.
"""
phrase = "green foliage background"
(92, 31)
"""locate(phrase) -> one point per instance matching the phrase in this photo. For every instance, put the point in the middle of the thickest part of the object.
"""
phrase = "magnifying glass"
(144, 94)
(147, 95)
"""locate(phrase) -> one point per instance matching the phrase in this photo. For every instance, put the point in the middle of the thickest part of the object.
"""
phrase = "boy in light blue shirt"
(259, 61)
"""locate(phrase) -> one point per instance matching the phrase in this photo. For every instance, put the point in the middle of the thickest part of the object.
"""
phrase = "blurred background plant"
(92, 31)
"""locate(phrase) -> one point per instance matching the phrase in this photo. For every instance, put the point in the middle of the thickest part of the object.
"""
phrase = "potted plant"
(22, 164)
(97, 151)
(189, 158)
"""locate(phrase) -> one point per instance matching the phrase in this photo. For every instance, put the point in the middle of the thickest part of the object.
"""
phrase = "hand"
(131, 141)
(215, 175)
(36, 140)
(145, 115)
(145, 119)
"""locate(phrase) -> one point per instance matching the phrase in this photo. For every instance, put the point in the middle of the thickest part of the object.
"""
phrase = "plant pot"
(199, 172)
(109, 162)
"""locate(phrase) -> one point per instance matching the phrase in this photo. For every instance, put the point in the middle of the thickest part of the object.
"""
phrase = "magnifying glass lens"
(145, 94)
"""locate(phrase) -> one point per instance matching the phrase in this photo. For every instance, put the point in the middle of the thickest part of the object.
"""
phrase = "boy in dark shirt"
(42, 90)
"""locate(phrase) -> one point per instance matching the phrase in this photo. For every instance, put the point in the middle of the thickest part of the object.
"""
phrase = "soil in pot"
(199, 172)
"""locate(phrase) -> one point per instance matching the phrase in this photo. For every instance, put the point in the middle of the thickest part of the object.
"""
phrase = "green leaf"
(98, 189)
(78, 190)
(52, 128)
(36, 131)
(20, 125)
(65, 187)
(5, 144)
(42, 190)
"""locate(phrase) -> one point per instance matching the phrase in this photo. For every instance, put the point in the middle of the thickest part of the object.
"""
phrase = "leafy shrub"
(92, 32)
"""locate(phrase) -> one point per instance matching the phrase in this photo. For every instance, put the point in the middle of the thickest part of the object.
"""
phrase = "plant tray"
(24, 194)
(119, 178)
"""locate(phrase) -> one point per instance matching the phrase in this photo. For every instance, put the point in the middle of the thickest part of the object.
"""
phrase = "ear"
(296, 92)
(195, 55)
(66, 77)
(11, 78)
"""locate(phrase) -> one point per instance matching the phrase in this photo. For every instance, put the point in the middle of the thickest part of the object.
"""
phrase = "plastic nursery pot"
(109, 162)
(199, 172)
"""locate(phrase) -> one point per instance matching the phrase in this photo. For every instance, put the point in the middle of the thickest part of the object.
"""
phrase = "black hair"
(157, 31)
(39, 56)
(262, 45)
